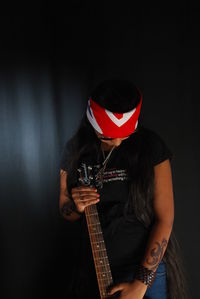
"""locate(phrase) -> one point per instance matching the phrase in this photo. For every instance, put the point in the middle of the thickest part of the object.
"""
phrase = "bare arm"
(164, 216)
(160, 232)
(65, 202)
(71, 208)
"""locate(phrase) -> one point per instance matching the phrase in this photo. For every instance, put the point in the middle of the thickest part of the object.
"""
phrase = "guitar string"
(106, 267)
(93, 208)
(104, 283)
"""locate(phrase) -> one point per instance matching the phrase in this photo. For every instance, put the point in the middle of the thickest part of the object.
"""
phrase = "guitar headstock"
(89, 175)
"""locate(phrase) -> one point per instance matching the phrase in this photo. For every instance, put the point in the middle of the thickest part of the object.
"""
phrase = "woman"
(135, 205)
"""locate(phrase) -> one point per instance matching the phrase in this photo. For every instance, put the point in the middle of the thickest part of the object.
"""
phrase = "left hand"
(134, 289)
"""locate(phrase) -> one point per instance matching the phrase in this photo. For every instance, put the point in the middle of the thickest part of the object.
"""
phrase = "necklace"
(100, 173)
(108, 156)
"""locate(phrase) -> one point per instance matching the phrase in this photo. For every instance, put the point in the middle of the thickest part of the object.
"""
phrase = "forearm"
(68, 210)
(157, 244)
(155, 249)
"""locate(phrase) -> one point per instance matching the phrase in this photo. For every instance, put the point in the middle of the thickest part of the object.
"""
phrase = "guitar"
(91, 176)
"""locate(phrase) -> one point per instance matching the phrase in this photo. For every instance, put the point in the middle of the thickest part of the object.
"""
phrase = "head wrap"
(110, 124)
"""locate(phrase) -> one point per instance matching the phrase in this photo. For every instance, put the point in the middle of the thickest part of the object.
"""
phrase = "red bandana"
(110, 124)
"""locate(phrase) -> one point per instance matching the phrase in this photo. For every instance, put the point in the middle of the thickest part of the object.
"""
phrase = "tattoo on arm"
(68, 208)
(156, 254)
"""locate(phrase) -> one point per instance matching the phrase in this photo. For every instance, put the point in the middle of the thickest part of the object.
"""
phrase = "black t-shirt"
(125, 241)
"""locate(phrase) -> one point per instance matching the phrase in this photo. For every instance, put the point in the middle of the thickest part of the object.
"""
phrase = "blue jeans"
(158, 290)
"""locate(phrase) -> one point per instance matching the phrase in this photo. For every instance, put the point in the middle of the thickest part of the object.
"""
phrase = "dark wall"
(50, 58)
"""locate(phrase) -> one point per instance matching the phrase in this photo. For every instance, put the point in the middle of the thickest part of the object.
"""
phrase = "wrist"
(140, 284)
(74, 208)
(139, 287)
(145, 275)
(69, 208)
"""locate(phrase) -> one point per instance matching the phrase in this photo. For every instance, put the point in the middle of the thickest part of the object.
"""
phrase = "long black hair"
(122, 96)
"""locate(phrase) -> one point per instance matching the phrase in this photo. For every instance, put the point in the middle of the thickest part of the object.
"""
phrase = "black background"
(50, 57)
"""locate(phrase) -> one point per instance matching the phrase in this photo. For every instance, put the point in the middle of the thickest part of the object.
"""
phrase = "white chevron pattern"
(123, 120)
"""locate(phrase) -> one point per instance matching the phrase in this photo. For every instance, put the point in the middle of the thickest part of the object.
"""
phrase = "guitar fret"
(94, 224)
(103, 279)
(92, 214)
(99, 250)
(101, 257)
(109, 271)
(104, 274)
(103, 265)
(100, 233)
(103, 261)
(102, 241)
(100, 246)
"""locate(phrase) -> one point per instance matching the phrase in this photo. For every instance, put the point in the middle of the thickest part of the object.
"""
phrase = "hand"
(134, 289)
(84, 196)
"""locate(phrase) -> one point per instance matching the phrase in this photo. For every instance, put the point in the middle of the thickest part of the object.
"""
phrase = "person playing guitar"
(116, 180)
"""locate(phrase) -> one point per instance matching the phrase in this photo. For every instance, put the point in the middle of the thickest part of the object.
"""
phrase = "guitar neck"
(101, 262)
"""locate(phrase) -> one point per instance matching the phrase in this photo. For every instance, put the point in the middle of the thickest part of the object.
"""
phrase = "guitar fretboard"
(101, 262)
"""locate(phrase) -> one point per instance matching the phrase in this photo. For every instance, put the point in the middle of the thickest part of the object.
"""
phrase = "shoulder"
(157, 145)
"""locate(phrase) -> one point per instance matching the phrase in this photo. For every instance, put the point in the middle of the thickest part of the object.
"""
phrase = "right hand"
(84, 196)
